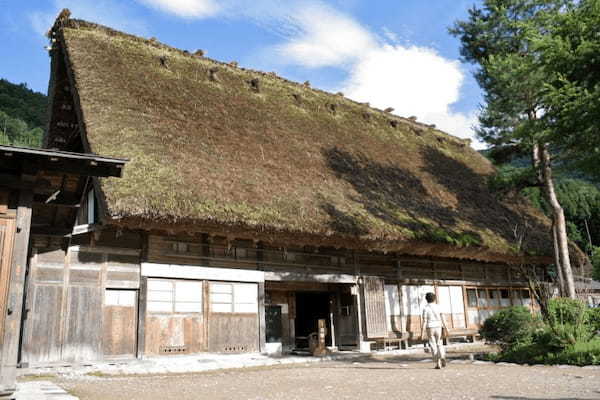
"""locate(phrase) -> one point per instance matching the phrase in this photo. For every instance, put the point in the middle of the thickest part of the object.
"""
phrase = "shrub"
(596, 263)
(581, 353)
(509, 327)
(563, 310)
(567, 319)
(593, 318)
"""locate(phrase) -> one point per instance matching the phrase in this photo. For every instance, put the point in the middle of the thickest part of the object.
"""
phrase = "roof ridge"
(63, 20)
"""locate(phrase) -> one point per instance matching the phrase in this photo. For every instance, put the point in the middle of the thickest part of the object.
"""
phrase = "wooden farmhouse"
(251, 208)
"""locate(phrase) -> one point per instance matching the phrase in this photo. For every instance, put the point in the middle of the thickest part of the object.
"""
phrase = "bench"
(392, 343)
(472, 335)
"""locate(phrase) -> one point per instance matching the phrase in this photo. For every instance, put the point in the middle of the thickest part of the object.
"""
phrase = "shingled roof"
(224, 149)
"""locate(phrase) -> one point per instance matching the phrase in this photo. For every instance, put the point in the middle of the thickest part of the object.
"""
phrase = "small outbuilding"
(40, 194)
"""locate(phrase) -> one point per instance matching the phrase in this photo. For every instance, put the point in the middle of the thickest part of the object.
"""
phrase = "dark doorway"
(273, 323)
(310, 307)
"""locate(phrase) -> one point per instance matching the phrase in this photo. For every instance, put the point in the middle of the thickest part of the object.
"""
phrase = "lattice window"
(233, 297)
(174, 296)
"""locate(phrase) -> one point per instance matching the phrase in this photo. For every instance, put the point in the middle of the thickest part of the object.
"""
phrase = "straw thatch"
(215, 146)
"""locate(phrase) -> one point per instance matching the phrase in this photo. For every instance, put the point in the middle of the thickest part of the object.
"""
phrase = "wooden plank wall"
(233, 333)
(119, 323)
(220, 252)
(7, 232)
(172, 331)
(66, 299)
(374, 301)
(43, 328)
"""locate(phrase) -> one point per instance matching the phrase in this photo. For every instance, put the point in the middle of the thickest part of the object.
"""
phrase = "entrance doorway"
(310, 308)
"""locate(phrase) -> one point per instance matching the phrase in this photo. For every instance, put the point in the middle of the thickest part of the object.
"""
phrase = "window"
(168, 296)
(120, 298)
(87, 212)
(504, 298)
(181, 247)
(91, 209)
(516, 297)
(233, 297)
(494, 297)
(483, 300)
(472, 297)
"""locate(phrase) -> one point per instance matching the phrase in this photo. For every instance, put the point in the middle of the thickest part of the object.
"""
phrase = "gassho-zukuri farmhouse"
(250, 208)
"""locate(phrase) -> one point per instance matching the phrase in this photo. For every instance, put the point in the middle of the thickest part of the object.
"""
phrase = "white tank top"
(432, 316)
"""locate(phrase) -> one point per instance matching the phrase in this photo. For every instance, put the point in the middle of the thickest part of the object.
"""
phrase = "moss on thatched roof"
(214, 145)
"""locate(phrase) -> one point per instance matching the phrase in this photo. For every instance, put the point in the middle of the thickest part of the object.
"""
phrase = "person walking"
(433, 322)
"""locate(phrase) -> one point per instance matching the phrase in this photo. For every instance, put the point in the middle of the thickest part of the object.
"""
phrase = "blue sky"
(391, 53)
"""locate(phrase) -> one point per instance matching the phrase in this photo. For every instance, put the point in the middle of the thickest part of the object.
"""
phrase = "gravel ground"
(366, 378)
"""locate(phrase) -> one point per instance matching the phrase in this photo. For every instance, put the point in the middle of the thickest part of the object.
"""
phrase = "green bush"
(563, 310)
(509, 327)
(566, 337)
(593, 318)
(581, 353)
(568, 321)
(596, 263)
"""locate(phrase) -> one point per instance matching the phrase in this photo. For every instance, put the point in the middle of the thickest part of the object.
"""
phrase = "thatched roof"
(214, 146)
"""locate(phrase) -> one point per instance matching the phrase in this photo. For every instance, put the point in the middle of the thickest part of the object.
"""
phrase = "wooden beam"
(262, 325)
(12, 324)
(308, 277)
(141, 322)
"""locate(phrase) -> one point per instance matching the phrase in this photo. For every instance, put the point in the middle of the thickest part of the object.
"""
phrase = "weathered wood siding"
(65, 299)
(173, 326)
(83, 333)
(233, 321)
(374, 302)
(7, 231)
(43, 330)
(119, 323)
(233, 333)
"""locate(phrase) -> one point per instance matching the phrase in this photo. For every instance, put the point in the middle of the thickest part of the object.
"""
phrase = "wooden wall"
(7, 232)
(65, 300)
(83, 303)
(171, 328)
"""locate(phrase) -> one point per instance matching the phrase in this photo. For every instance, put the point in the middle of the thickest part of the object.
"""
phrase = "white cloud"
(326, 38)
(186, 8)
(107, 12)
(414, 81)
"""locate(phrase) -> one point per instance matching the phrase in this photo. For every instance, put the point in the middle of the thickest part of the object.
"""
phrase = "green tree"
(501, 38)
(22, 115)
(570, 50)
(581, 202)
(596, 263)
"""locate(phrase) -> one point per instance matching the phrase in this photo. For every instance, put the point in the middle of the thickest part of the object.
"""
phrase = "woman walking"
(433, 322)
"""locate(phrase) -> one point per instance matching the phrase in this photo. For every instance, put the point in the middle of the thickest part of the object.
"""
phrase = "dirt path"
(369, 378)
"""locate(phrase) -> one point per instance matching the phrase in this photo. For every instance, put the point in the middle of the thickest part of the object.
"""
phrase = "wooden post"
(358, 297)
(331, 318)
(322, 331)
(262, 322)
(12, 323)
(141, 323)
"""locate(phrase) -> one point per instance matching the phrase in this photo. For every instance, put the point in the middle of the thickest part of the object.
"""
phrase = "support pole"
(12, 323)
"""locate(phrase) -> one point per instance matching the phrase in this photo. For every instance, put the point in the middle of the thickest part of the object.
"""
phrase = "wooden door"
(119, 325)
(82, 340)
(233, 317)
(7, 231)
(375, 318)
